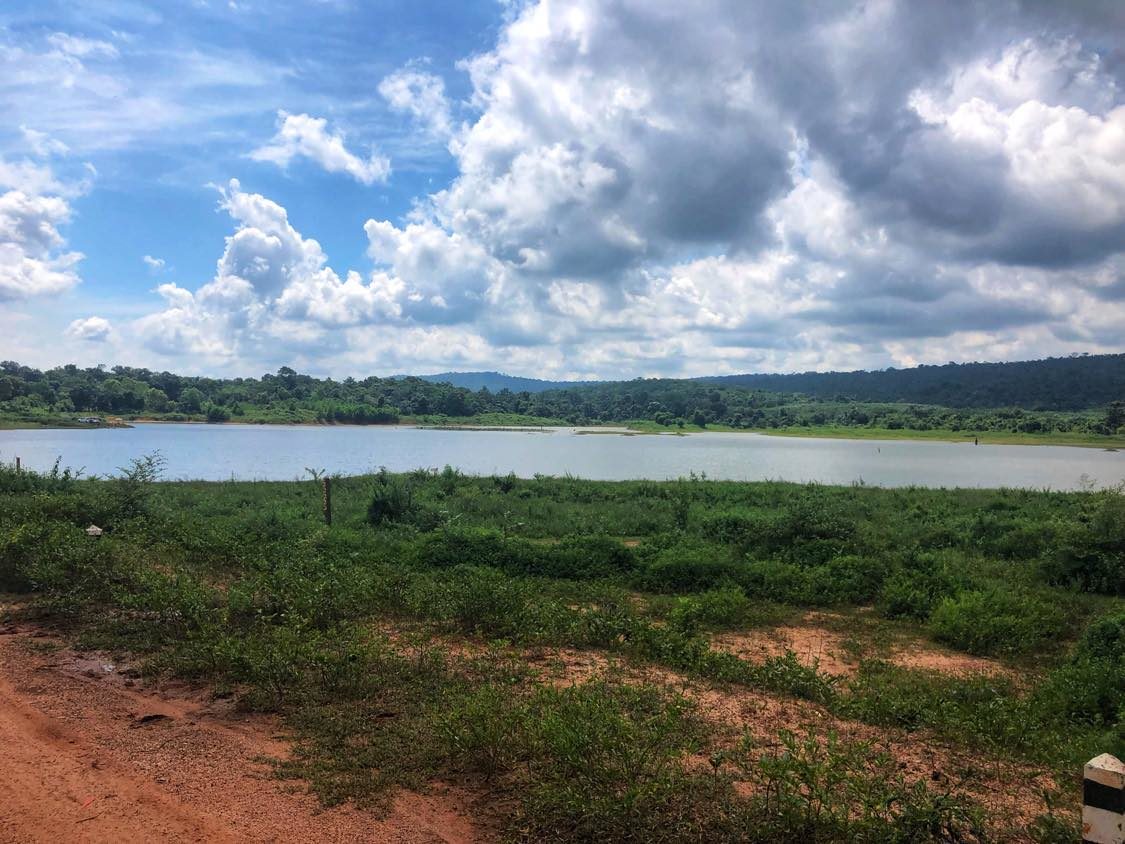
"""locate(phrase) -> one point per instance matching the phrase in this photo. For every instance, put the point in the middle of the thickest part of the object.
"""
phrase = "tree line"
(289, 396)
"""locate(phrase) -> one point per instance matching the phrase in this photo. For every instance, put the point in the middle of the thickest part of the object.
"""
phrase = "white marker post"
(1103, 801)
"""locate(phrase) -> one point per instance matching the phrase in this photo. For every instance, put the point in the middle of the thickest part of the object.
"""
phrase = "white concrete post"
(1103, 801)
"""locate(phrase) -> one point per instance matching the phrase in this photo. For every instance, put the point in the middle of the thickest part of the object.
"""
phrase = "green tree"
(156, 401)
(1115, 417)
(191, 400)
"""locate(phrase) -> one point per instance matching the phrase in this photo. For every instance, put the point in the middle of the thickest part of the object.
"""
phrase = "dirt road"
(87, 755)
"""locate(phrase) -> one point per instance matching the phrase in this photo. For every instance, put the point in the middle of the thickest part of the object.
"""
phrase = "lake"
(278, 452)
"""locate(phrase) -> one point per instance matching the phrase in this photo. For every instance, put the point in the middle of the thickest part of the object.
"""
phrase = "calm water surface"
(276, 452)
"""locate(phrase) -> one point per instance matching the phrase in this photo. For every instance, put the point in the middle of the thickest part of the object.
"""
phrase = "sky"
(562, 188)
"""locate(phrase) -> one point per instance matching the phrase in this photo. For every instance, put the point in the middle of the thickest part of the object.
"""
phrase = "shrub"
(1091, 686)
(734, 527)
(607, 766)
(587, 558)
(130, 491)
(777, 581)
(715, 609)
(484, 730)
(995, 621)
(852, 579)
(1091, 555)
(687, 569)
(28, 481)
(915, 590)
(843, 580)
(480, 547)
(478, 600)
(807, 789)
(392, 500)
(1104, 639)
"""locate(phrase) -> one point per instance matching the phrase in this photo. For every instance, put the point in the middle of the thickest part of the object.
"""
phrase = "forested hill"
(1071, 383)
(497, 381)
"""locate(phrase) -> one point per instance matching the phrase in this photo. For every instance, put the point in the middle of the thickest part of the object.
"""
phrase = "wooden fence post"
(327, 483)
(1103, 801)
(17, 465)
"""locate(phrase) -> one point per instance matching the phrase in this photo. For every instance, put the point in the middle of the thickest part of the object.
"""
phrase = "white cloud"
(302, 136)
(29, 177)
(33, 260)
(93, 95)
(42, 144)
(719, 186)
(154, 264)
(82, 48)
(421, 95)
(94, 329)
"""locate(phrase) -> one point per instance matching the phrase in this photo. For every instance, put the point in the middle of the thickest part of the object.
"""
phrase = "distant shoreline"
(644, 428)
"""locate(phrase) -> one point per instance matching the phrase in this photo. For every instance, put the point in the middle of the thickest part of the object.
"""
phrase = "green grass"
(241, 585)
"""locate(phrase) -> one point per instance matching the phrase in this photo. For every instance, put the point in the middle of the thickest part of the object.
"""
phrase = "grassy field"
(675, 661)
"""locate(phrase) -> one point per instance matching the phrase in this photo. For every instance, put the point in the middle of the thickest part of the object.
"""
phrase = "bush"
(607, 763)
(842, 580)
(392, 500)
(735, 527)
(131, 490)
(996, 621)
(58, 560)
(28, 481)
(1104, 639)
(716, 609)
(587, 558)
(773, 580)
(1091, 686)
(480, 547)
(687, 569)
(853, 579)
(812, 790)
(1091, 555)
(478, 600)
(915, 590)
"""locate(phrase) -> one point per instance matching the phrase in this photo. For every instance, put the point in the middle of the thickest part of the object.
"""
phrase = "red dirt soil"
(815, 644)
(85, 757)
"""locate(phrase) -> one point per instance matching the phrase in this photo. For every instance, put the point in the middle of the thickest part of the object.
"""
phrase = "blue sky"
(320, 57)
(573, 188)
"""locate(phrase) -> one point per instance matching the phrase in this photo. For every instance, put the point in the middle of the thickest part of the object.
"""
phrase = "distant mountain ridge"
(497, 381)
(1068, 383)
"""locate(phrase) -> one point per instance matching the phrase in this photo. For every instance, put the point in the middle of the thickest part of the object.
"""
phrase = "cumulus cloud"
(154, 264)
(94, 329)
(720, 185)
(272, 289)
(421, 95)
(33, 260)
(34, 204)
(302, 136)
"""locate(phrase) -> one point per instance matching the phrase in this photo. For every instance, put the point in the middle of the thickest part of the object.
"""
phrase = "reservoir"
(279, 452)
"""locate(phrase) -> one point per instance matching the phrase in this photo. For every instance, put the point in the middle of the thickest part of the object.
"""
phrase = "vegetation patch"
(242, 585)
